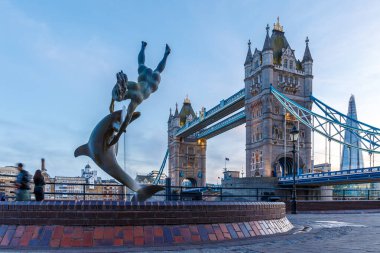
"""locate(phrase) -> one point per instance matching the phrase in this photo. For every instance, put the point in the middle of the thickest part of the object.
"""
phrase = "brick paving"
(56, 236)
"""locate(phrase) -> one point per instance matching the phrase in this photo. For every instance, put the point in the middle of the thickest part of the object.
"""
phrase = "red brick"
(240, 234)
(99, 233)
(227, 235)
(19, 231)
(117, 231)
(193, 229)
(128, 234)
(139, 241)
(138, 231)
(66, 241)
(236, 227)
(109, 233)
(26, 237)
(54, 243)
(118, 242)
(178, 239)
(58, 232)
(30, 229)
(212, 237)
(88, 238)
(223, 228)
(76, 242)
(219, 234)
(77, 233)
(195, 238)
(157, 231)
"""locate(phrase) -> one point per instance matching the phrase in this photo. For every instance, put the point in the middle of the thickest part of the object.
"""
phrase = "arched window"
(285, 63)
(291, 64)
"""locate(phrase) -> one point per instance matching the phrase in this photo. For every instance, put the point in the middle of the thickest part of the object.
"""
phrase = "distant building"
(90, 175)
(323, 167)
(229, 174)
(352, 158)
(69, 187)
(7, 177)
(150, 177)
(112, 190)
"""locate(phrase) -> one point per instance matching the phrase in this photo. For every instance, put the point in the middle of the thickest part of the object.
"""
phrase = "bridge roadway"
(231, 122)
(224, 108)
(354, 176)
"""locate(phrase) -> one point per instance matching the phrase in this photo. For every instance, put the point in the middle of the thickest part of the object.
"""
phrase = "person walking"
(22, 184)
(39, 183)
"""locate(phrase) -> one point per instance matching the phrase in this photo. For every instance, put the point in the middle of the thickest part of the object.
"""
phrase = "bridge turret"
(248, 60)
(307, 66)
(267, 52)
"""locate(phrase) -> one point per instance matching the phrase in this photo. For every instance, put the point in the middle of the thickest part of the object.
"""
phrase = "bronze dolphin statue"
(104, 155)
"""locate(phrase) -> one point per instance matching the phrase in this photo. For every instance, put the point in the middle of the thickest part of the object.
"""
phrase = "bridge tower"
(187, 156)
(268, 147)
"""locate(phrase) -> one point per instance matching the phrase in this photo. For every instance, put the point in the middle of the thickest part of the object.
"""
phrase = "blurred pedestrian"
(39, 183)
(22, 184)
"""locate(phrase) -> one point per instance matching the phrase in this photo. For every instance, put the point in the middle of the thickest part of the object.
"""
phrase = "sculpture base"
(54, 224)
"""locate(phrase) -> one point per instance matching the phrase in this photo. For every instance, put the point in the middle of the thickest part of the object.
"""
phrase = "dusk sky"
(58, 61)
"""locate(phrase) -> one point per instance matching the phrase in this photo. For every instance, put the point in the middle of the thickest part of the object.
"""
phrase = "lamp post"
(293, 138)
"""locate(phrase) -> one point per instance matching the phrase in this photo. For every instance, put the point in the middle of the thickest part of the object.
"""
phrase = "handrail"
(332, 173)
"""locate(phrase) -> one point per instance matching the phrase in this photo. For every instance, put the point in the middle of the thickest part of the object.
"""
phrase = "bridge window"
(291, 64)
(277, 109)
(291, 79)
(285, 63)
(280, 78)
(296, 80)
(256, 63)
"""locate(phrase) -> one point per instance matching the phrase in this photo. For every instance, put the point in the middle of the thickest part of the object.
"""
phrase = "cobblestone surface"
(329, 233)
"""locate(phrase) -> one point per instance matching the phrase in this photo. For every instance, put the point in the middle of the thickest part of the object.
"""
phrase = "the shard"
(352, 158)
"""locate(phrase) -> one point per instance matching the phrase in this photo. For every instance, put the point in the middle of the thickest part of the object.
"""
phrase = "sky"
(58, 61)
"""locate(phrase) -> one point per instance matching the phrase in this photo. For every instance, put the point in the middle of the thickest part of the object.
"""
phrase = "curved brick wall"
(125, 213)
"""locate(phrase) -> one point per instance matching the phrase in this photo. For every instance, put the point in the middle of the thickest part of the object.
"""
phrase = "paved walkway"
(318, 233)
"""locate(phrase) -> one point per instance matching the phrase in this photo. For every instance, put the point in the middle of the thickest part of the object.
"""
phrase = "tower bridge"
(276, 96)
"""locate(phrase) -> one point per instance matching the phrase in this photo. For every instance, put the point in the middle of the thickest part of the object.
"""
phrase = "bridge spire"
(176, 110)
(248, 59)
(307, 54)
(267, 42)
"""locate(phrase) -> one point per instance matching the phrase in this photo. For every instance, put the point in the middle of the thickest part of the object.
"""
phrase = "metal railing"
(331, 174)
(211, 193)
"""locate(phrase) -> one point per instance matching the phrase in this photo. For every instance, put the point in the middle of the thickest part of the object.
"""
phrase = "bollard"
(168, 188)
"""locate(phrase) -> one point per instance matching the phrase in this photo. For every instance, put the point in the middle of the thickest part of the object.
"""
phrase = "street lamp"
(294, 138)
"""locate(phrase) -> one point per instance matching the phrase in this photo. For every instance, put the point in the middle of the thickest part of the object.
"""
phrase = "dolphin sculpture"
(104, 156)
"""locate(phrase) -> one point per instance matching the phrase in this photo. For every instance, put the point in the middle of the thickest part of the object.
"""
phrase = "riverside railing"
(116, 191)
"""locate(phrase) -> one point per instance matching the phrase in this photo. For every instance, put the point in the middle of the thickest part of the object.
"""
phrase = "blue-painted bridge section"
(223, 109)
(363, 175)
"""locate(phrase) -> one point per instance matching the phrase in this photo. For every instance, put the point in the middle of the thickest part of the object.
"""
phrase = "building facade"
(187, 156)
(7, 178)
(268, 146)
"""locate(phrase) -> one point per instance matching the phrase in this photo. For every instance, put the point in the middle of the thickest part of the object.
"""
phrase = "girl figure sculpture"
(147, 83)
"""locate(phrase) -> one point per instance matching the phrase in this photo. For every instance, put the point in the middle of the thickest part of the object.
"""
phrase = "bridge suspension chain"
(333, 125)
